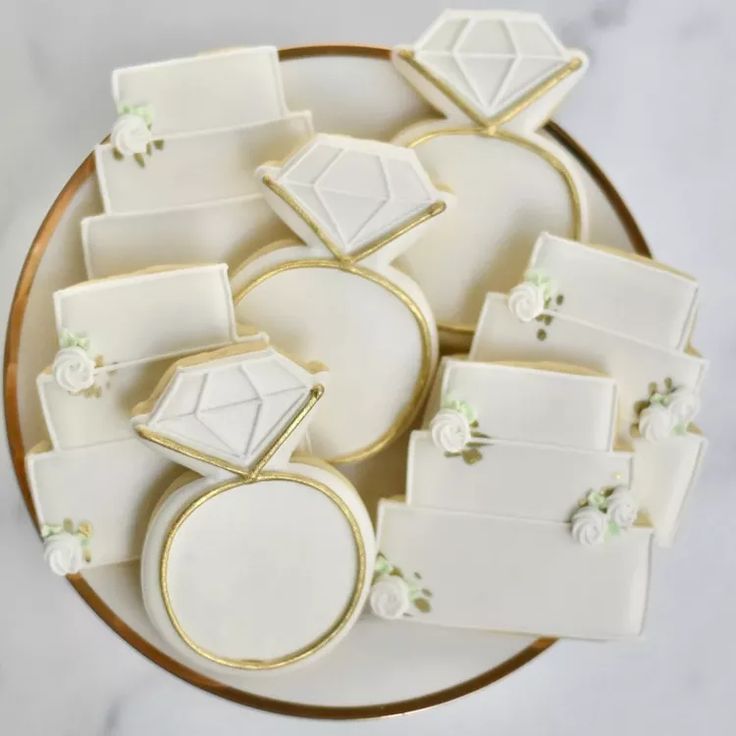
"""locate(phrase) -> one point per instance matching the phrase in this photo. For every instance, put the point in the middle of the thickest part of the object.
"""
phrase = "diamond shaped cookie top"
(230, 408)
(356, 191)
(491, 58)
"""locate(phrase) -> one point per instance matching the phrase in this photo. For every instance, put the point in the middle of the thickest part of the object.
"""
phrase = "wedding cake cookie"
(631, 319)
(116, 336)
(176, 178)
(536, 530)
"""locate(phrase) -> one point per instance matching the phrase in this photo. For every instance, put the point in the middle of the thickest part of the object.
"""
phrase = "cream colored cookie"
(357, 205)
(265, 561)
(497, 76)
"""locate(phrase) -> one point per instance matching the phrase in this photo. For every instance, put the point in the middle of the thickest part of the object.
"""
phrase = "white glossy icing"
(589, 526)
(130, 135)
(73, 369)
(683, 404)
(622, 507)
(656, 423)
(390, 597)
(526, 301)
(63, 553)
(450, 430)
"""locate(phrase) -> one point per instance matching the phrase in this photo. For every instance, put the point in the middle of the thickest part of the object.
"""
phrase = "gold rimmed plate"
(382, 668)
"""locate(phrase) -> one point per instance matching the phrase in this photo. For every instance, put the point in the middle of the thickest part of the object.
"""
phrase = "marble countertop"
(656, 112)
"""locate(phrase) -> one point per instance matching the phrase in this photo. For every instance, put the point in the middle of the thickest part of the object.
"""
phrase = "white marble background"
(657, 112)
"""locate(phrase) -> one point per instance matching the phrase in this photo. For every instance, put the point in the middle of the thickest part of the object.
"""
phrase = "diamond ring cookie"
(497, 76)
(357, 205)
(265, 560)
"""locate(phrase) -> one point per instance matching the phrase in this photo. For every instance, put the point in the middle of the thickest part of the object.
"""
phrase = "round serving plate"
(382, 668)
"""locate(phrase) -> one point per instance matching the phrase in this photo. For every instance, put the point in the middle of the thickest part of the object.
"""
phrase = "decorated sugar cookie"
(94, 483)
(357, 205)
(266, 560)
(177, 176)
(497, 76)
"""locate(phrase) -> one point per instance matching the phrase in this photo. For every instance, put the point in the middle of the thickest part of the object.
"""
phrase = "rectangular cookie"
(544, 402)
(197, 167)
(619, 291)
(515, 575)
(219, 89)
(511, 478)
(226, 231)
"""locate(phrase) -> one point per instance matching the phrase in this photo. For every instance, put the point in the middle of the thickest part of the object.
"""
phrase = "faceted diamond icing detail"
(356, 193)
(491, 59)
(232, 409)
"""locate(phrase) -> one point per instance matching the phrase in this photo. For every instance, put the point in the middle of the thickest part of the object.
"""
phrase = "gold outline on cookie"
(315, 645)
(348, 263)
(315, 395)
(546, 155)
(248, 477)
(370, 248)
(405, 416)
(503, 116)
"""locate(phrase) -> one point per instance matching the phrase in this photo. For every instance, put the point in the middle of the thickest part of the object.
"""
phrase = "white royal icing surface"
(73, 369)
(526, 301)
(130, 135)
(382, 336)
(63, 553)
(450, 430)
(389, 597)
(589, 526)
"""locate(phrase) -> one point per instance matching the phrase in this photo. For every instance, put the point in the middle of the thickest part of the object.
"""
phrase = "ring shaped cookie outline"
(249, 477)
(348, 264)
(421, 386)
(490, 128)
(531, 146)
(309, 649)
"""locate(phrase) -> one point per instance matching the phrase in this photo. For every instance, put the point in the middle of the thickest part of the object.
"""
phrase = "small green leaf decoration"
(426, 592)
(149, 149)
(140, 160)
(159, 144)
(117, 155)
(397, 571)
(474, 424)
(613, 528)
(68, 526)
(540, 318)
(560, 299)
(422, 604)
(652, 388)
(472, 456)
(668, 383)
(639, 406)
(541, 334)
(481, 435)
(548, 319)
(417, 576)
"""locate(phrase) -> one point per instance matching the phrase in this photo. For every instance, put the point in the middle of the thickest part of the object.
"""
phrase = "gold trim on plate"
(85, 590)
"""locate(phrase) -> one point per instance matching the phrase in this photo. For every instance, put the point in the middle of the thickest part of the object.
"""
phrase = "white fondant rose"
(450, 430)
(683, 405)
(589, 526)
(73, 369)
(656, 423)
(622, 507)
(63, 553)
(390, 597)
(130, 135)
(526, 301)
